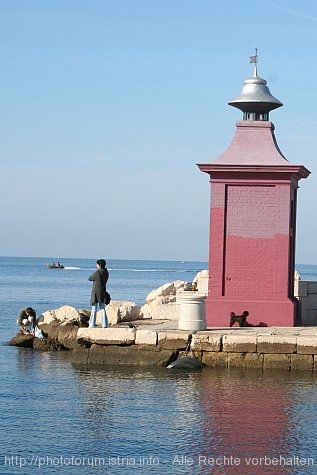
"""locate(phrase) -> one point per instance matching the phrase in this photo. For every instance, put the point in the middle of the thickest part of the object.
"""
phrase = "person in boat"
(55, 265)
(98, 293)
(26, 321)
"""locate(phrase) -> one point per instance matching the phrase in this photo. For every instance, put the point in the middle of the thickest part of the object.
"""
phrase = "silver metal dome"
(255, 96)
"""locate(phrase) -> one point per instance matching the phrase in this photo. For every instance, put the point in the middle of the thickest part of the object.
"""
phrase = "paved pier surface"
(168, 325)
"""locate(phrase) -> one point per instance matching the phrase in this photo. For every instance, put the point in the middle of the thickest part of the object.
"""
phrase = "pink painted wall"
(252, 231)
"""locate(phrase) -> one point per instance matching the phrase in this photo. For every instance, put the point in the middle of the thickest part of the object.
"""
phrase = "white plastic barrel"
(192, 313)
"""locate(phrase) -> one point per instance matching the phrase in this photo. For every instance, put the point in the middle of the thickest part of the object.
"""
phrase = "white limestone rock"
(162, 303)
(166, 290)
(47, 318)
(64, 315)
(201, 281)
(67, 315)
(160, 311)
(120, 311)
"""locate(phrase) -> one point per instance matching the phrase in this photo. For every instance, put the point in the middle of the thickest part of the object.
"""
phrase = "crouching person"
(27, 321)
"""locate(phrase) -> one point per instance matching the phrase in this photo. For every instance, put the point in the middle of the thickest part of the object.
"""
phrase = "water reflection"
(183, 419)
(211, 422)
(246, 420)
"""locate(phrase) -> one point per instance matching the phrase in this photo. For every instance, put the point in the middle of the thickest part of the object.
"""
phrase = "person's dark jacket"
(98, 291)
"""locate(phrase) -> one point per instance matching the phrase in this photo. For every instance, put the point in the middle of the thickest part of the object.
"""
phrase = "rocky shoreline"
(150, 336)
(159, 343)
(61, 327)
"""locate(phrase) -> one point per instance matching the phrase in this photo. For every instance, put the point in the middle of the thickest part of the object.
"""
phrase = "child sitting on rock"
(27, 321)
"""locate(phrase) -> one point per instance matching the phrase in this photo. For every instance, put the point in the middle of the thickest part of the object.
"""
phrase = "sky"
(106, 107)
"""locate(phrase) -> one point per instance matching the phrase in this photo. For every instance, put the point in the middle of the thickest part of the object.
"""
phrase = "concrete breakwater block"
(106, 336)
(306, 345)
(276, 344)
(101, 355)
(206, 341)
(235, 343)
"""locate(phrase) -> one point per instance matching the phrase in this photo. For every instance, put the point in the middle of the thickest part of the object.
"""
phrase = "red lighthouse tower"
(253, 219)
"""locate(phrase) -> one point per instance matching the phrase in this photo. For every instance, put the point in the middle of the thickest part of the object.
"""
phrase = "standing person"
(27, 321)
(98, 293)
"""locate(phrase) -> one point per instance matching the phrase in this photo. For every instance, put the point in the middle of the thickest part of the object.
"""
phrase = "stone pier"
(159, 343)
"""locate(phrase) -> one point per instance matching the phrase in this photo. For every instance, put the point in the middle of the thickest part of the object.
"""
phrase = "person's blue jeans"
(104, 319)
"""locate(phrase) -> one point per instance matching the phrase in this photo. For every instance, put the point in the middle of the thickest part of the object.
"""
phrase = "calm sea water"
(57, 419)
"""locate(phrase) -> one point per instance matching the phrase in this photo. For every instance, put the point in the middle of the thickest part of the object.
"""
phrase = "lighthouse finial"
(254, 59)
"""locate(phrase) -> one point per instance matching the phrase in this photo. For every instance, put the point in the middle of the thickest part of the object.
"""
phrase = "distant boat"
(55, 266)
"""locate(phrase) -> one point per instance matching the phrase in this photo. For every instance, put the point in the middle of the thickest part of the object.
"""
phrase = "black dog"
(241, 319)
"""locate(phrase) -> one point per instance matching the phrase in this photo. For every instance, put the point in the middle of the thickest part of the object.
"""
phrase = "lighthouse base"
(284, 313)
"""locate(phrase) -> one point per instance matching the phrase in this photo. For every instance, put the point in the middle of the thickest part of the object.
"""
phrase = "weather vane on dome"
(254, 59)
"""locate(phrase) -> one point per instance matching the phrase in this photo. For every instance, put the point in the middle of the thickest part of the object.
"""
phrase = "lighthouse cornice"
(233, 171)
